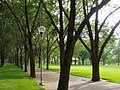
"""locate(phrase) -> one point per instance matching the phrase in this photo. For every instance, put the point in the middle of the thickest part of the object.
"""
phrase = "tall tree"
(4, 31)
(95, 50)
(29, 21)
(67, 45)
(51, 41)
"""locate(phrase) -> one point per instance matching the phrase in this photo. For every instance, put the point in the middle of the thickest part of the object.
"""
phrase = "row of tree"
(70, 20)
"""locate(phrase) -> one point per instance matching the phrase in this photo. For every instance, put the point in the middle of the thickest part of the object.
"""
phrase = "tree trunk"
(65, 63)
(118, 59)
(17, 57)
(47, 66)
(39, 55)
(21, 63)
(64, 78)
(78, 60)
(95, 70)
(75, 61)
(83, 61)
(32, 65)
(25, 61)
(32, 61)
(2, 58)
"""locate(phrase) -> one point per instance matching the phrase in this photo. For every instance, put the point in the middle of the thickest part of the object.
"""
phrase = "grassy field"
(13, 78)
(108, 72)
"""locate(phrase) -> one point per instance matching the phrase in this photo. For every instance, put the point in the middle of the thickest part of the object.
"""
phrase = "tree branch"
(65, 13)
(96, 44)
(50, 16)
(72, 19)
(108, 38)
(61, 18)
(93, 10)
(89, 27)
(26, 15)
(84, 44)
(36, 15)
(107, 18)
(15, 16)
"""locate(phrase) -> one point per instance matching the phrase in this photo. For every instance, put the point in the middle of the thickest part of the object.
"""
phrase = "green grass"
(108, 72)
(13, 78)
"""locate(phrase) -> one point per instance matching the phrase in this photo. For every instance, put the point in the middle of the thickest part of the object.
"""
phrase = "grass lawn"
(13, 78)
(108, 72)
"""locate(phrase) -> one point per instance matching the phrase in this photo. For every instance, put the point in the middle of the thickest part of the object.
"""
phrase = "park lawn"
(108, 72)
(13, 78)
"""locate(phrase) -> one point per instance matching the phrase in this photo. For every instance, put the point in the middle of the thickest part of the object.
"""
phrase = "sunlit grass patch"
(107, 72)
(13, 78)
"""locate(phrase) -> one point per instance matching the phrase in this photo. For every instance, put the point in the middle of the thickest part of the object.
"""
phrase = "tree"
(27, 24)
(67, 45)
(109, 49)
(51, 40)
(80, 53)
(4, 32)
(95, 50)
(116, 52)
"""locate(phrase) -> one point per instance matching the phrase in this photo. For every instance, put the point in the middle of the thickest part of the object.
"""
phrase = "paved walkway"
(50, 82)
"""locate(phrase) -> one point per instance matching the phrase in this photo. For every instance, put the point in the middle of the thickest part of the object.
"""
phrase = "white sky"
(113, 19)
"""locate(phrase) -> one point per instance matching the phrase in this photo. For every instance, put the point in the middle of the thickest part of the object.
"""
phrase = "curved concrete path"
(50, 82)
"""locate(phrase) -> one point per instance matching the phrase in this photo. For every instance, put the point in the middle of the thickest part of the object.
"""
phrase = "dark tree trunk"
(75, 61)
(64, 73)
(79, 61)
(25, 59)
(83, 63)
(2, 58)
(47, 66)
(118, 60)
(65, 63)
(62, 68)
(95, 70)
(32, 61)
(39, 54)
(17, 57)
(21, 61)
(64, 77)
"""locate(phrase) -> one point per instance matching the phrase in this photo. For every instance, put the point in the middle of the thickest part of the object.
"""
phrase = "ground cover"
(107, 72)
(13, 78)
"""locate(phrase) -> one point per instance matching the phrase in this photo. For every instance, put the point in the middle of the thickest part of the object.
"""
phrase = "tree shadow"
(100, 85)
(12, 74)
(76, 86)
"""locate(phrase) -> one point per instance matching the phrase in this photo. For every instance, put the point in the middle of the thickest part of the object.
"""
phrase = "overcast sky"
(113, 18)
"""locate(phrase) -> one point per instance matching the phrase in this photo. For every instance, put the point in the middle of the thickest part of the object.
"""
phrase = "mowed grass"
(13, 78)
(108, 72)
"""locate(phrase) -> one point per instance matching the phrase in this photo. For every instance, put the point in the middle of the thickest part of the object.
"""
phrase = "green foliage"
(12, 78)
(80, 51)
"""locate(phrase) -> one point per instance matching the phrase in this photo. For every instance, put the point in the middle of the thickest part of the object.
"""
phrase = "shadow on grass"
(12, 72)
